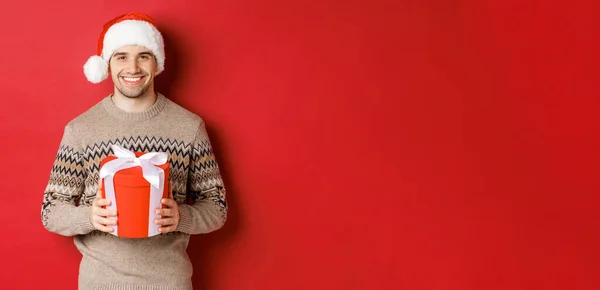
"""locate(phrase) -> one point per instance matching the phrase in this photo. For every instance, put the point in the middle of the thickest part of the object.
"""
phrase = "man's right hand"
(101, 218)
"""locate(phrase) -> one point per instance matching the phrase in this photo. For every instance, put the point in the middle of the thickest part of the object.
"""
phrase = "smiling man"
(132, 71)
(136, 117)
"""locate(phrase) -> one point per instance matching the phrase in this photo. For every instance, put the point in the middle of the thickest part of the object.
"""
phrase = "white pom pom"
(95, 69)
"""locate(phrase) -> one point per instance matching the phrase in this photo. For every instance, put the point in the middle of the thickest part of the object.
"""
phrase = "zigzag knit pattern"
(194, 172)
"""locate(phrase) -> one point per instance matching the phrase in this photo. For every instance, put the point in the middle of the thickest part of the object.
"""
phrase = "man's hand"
(169, 217)
(101, 218)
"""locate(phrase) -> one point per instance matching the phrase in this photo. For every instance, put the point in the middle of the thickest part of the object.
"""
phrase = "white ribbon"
(154, 175)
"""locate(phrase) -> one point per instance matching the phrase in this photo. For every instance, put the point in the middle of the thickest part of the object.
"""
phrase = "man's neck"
(134, 105)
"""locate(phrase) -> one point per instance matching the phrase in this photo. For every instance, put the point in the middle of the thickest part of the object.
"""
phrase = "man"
(131, 51)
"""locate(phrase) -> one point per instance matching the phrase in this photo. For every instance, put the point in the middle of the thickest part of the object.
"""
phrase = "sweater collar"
(149, 113)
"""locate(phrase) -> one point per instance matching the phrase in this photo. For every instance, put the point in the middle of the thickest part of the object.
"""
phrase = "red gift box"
(133, 198)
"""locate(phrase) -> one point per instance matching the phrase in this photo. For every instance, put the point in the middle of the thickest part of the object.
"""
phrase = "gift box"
(135, 182)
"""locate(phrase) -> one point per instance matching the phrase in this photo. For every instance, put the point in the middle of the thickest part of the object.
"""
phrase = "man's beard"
(134, 95)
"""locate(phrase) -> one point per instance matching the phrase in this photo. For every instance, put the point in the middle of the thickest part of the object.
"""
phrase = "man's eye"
(121, 58)
(144, 57)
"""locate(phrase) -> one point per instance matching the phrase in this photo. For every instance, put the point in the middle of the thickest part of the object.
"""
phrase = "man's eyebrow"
(125, 53)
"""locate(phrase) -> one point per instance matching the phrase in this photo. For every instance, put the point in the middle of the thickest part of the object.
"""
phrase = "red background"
(365, 144)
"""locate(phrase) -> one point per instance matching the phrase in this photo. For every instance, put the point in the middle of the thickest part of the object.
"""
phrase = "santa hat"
(129, 29)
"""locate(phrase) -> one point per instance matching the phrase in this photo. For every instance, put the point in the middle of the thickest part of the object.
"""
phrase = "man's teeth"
(132, 79)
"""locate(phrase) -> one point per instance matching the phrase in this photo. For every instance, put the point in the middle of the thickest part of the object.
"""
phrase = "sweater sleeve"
(207, 210)
(60, 213)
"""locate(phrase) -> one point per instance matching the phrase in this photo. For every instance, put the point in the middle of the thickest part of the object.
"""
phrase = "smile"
(132, 81)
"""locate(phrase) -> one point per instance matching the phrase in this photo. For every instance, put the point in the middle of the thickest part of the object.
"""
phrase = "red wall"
(365, 144)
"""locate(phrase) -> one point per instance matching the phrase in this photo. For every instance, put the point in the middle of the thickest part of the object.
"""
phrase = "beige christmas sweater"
(158, 262)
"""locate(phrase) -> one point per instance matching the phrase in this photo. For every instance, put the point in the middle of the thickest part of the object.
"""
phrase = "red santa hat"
(129, 29)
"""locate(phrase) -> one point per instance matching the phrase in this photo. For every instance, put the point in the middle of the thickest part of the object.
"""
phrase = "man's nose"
(132, 66)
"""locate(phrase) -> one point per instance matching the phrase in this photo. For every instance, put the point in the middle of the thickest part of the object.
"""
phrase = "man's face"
(132, 69)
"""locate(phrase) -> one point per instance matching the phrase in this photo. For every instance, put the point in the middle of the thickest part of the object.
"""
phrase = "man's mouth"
(132, 81)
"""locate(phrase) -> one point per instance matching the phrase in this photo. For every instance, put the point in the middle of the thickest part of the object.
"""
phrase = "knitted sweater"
(158, 262)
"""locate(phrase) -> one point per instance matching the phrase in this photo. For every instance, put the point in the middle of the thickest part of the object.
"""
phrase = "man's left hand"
(169, 216)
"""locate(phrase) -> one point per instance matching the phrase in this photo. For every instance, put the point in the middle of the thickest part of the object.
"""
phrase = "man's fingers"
(165, 212)
(102, 219)
(101, 202)
(168, 217)
(169, 202)
(167, 229)
(165, 221)
(102, 212)
(102, 223)
(103, 228)
(105, 221)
